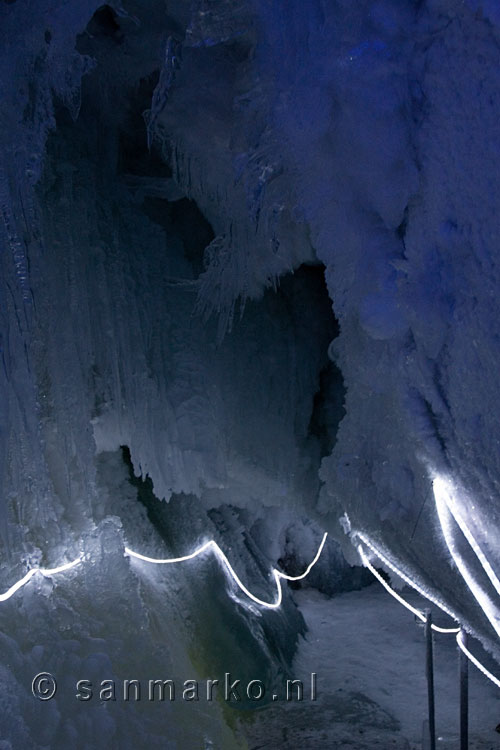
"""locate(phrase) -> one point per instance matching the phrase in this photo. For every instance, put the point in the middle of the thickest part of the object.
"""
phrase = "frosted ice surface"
(147, 299)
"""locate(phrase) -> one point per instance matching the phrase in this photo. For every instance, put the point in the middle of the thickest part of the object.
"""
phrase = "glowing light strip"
(388, 588)
(475, 547)
(44, 571)
(443, 490)
(475, 661)
(222, 557)
(417, 612)
(406, 579)
(159, 561)
(444, 513)
(277, 577)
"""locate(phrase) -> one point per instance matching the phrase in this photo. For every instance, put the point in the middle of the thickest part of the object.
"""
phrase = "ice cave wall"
(105, 344)
(111, 341)
(369, 132)
(361, 137)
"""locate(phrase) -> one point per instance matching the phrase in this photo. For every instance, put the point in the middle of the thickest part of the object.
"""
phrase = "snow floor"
(369, 656)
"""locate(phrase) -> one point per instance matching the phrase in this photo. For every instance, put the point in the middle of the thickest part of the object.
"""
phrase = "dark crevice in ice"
(183, 219)
(134, 155)
(104, 23)
(328, 408)
(328, 402)
(403, 226)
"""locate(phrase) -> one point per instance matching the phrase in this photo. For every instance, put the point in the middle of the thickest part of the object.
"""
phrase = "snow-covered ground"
(369, 656)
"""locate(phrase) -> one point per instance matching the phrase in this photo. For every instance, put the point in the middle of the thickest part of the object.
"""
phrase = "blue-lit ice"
(172, 299)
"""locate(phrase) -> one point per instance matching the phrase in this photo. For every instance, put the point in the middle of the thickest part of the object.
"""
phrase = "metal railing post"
(429, 670)
(464, 694)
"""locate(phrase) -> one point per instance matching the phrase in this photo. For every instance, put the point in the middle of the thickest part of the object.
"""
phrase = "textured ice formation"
(255, 242)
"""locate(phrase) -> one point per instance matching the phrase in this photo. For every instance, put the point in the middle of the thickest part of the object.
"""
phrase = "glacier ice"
(253, 241)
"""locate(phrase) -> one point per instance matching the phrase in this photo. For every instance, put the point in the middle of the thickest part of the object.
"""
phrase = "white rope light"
(414, 610)
(443, 493)
(475, 661)
(278, 575)
(422, 617)
(446, 509)
(159, 561)
(222, 557)
(43, 571)
(413, 584)
(417, 612)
